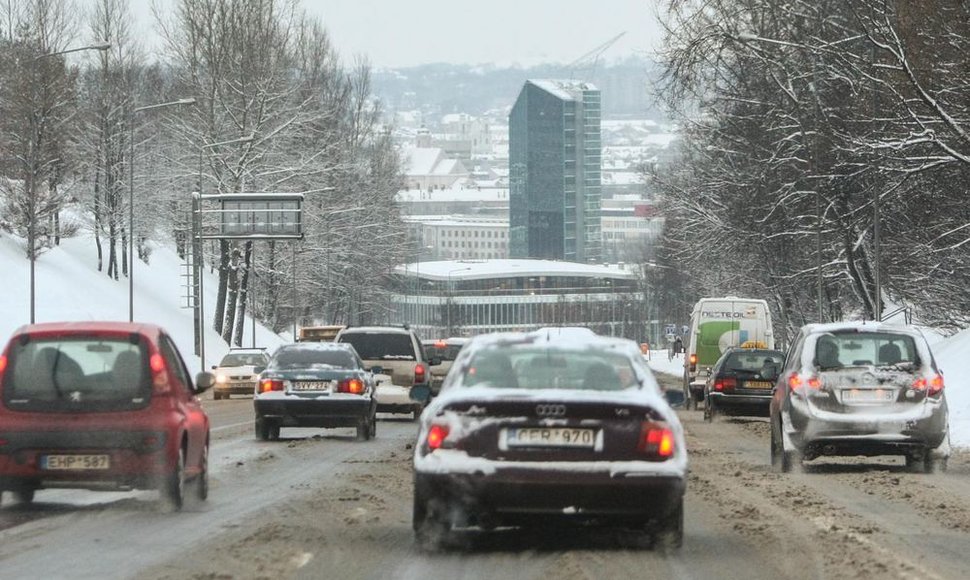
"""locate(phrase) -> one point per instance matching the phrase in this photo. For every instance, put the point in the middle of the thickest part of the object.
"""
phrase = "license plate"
(550, 437)
(757, 384)
(312, 385)
(868, 395)
(75, 462)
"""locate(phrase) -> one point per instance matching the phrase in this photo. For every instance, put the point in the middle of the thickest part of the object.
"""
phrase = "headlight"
(222, 379)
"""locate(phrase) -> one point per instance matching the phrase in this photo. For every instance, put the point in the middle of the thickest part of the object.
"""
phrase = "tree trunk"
(219, 315)
(232, 296)
(243, 295)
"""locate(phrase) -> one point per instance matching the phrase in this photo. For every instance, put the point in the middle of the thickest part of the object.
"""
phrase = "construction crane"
(589, 60)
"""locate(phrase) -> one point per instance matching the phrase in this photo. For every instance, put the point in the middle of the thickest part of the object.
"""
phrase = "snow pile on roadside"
(951, 356)
(69, 287)
(660, 364)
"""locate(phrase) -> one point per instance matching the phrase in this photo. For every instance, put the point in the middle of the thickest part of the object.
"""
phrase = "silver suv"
(397, 352)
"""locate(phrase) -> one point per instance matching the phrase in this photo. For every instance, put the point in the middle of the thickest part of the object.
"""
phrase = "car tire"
(267, 429)
(689, 400)
(173, 487)
(781, 460)
(373, 426)
(25, 495)
(430, 524)
(669, 531)
(416, 413)
(363, 430)
(710, 410)
(202, 480)
(273, 429)
(931, 464)
(216, 395)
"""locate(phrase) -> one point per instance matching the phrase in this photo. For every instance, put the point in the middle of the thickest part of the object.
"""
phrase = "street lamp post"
(31, 203)
(131, 197)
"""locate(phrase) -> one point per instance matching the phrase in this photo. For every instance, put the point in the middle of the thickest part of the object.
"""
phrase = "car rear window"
(755, 362)
(77, 374)
(243, 359)
(380, 346)
(853, 349)
(301, 358)
(537, 368)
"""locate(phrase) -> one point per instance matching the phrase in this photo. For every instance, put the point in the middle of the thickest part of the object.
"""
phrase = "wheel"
(173, 489)
(25, 495)
(363, 430)
(669, 531)
(781, 460)
(416, 413)
(926, 464)
(430, 523)
(709, 410)
(373, 426)
(202, 480)
(261, 429)
(216, 395)
(273, 430)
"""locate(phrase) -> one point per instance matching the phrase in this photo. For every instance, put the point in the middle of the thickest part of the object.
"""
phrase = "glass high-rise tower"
(554, 172)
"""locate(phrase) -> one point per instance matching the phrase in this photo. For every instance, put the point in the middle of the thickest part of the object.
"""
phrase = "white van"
(715, 325)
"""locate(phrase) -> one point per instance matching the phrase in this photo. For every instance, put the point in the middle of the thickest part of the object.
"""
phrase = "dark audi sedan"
(315, 384)
(549, 425)
(860, 389)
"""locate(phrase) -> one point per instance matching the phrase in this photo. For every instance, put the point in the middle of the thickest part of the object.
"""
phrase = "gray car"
(860, 389)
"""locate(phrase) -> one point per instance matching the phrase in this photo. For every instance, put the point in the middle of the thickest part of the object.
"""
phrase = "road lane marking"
(224, 427)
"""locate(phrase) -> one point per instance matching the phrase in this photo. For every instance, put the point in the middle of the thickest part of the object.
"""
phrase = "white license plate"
(312, 385)
(758, 384)
(868, 395)
(75, 462)
(550, 437)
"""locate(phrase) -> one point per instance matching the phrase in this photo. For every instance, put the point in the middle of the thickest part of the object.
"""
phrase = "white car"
(238, 372)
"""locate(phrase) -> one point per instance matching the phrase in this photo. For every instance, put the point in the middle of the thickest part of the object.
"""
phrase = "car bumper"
(327, 412)
(136, 459)
(815, 432)
(754, 400)
(235, 389)
(518, 496)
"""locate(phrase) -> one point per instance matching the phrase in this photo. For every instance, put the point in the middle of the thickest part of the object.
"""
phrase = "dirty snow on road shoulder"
(951, 356)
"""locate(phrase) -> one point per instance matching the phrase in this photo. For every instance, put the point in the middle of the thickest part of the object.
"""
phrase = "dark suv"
(396, 351)
(100, 404)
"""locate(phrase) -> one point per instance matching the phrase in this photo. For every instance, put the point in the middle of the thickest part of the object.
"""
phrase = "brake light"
(267, 385)
(419, 373)
(725, 384)
(160, 382)
(693, 362)
(436, 436)
(441, 344)
(796, 382)
(352, 386)
(932, 387)
(656, 439)
(3, 363)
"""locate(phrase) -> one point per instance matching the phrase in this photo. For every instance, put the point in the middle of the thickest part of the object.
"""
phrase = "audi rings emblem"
(551, 410)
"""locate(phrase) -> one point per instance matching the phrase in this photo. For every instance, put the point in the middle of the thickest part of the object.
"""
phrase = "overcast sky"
(398, 33)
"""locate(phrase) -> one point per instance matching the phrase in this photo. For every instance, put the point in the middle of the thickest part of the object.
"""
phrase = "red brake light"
(267, 385)
(932, 387)
(419, 373)
(352, 386)
(436, 436)
(3, 363)
(725, 384)
(160, 383)
(796, 382)
(440, 344)
(656, 439)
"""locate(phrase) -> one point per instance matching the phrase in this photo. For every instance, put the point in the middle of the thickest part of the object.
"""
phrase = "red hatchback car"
(100, 405)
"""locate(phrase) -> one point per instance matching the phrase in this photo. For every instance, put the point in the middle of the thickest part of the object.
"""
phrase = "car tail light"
(352, 386)
(267, 385)
(3, 363)
(796, 382)
(725, 384)
(419, 373)
(436, 436)
(693, 362)
(160, 382)
(933, 387)
(656, 440)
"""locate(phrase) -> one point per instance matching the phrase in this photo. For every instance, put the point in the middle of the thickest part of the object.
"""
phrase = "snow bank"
(659, 364)
(951, 356)
(69, 287)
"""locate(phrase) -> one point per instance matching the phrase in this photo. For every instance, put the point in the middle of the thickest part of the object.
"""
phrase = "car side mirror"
(214, 367)
(420, 393)
(435, 361)
(675, 397)
(377, 370)
(204, 381)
